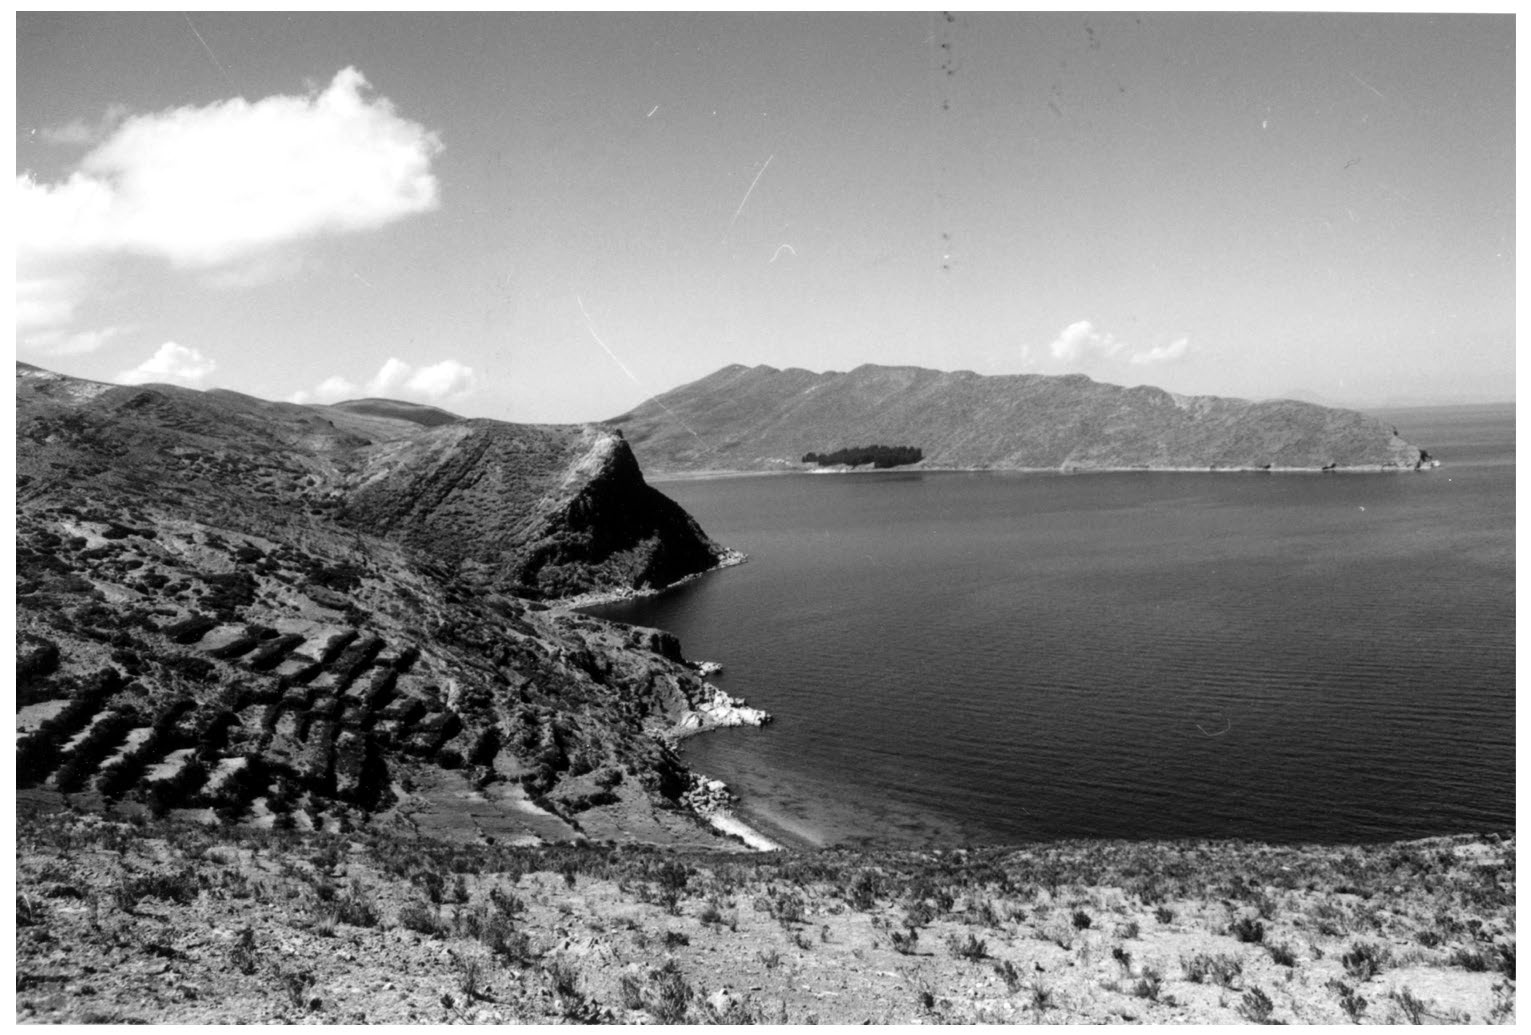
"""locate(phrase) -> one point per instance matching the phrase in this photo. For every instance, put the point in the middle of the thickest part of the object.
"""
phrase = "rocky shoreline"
(727, 559)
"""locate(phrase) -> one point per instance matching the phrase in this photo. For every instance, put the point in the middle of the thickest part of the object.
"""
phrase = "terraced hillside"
(251, 610)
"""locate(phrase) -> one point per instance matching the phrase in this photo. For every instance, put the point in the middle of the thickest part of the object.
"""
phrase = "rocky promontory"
(764, 419)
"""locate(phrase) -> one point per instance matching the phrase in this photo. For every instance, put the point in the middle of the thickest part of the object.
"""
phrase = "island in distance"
(761, 419)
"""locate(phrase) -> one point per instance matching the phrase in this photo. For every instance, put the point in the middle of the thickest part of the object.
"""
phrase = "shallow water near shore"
(1008, 657)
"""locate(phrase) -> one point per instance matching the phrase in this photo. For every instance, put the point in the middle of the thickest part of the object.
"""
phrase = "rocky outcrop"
(761, 418)
(541, 511)
(713, 709)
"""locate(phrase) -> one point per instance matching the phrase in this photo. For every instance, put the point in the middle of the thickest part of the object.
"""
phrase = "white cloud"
(441, 380)
(396, 379)
(231, 189)
(331, 389)
(56, 342)
(390, 377)
(202, 187)
(1175, 350)
(79, 133)
(1080, 340)
(46, 302)
(171, 363)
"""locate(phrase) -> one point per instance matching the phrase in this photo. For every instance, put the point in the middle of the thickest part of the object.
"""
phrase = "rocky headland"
(764, 419)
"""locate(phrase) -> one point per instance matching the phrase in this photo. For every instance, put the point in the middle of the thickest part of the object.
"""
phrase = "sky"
(550, 218)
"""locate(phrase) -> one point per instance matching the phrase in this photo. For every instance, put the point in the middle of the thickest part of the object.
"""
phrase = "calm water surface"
(1006, 657)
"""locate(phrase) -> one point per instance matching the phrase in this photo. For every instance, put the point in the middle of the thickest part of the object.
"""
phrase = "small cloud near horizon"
(172, 363)
(396, 379)
(56, 342)
(1171, 353)
(1082, 342)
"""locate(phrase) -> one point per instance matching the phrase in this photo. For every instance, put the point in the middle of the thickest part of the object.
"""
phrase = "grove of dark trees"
(877, 456)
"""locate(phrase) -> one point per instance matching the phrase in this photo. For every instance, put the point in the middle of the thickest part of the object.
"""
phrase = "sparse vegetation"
(513, 940)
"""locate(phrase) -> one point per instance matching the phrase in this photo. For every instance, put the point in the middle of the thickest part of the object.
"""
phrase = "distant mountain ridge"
(761, 418)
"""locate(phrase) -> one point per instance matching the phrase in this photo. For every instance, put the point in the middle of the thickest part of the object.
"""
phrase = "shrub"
(903, 944)
(180, 887)
(1041, 998)
(1248, 930)
(1221, 969)
(1164, 914)
(242, 956)
(506, 903)
(1410, 1005)
(1364, 961)
(786, 908)
(864, 890)
(972, 949)
(1081, 920)
(1499, 957)
(1149, 985)
(669, 995)
(632, 993)
(1256, 1007)
(1009, 975)
(918, 914)
(418, 916)
(356, 910)
(1283, 954)
(1351, 1001)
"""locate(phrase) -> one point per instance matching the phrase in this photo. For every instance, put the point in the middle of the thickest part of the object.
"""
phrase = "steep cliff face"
(301, 615)
(760, 418)
(543, 511)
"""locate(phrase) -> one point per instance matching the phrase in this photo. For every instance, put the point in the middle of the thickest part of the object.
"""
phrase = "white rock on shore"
(713, 801)
(719, 710)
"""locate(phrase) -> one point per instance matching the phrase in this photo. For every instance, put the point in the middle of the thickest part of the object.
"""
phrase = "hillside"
(760, 418)
(255, 611)
(165, 922)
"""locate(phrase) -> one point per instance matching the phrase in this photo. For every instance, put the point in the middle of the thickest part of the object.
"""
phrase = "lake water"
(1008, 657)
